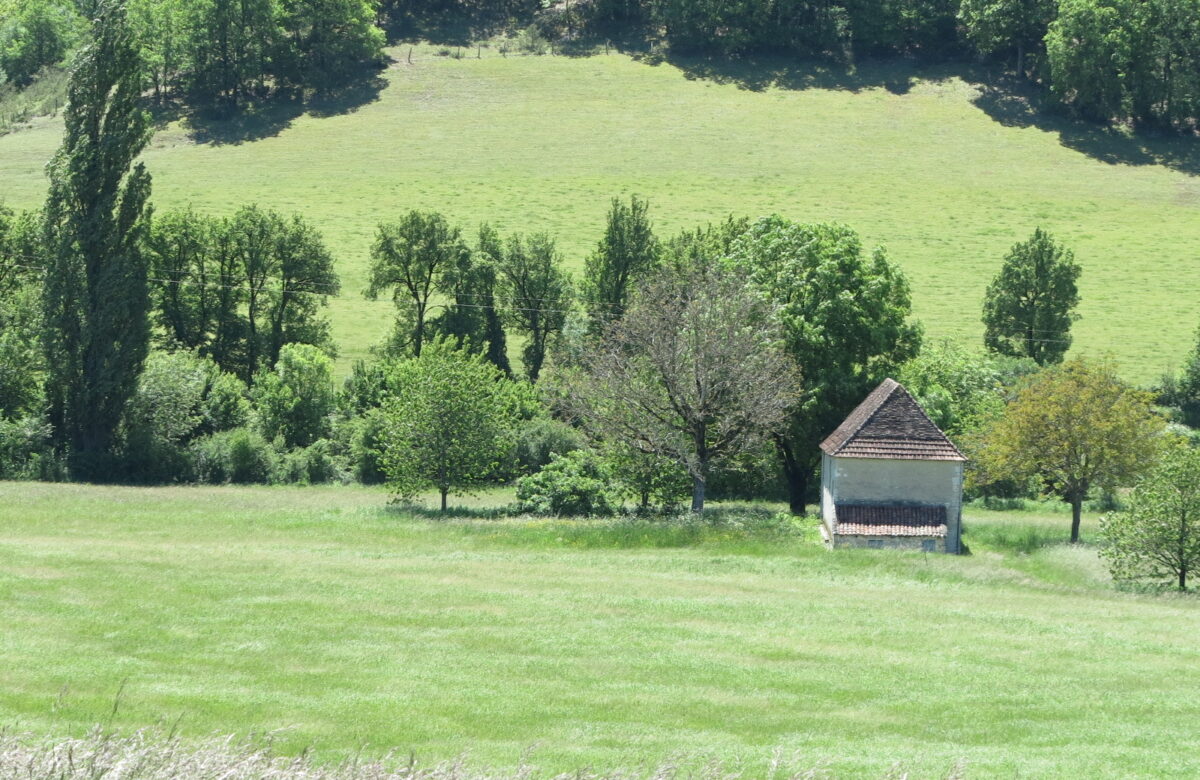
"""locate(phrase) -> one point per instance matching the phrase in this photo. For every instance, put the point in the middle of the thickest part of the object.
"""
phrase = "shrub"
(540, 439)
(241, 456)
(366, 443)
(312, 465)
(295, 400)
(26, 451)
(578, 483)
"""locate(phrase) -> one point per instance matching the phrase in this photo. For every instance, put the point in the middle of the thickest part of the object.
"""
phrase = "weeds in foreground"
(151, 755)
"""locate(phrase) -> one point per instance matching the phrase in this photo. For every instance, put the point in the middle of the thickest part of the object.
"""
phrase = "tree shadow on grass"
(413, 509)
(272, 115)
(1007, 100)
(1015, 104)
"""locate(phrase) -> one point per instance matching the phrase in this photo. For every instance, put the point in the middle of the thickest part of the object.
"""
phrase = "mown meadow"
(345, 623)
(945, 173)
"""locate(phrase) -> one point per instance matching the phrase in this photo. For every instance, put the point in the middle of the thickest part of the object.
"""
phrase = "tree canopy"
(1158, 536)
(845, 319)
(1073, 427)
(1030, 305)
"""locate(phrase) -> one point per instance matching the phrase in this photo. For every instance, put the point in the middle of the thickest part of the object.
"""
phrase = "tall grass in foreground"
(147, 755)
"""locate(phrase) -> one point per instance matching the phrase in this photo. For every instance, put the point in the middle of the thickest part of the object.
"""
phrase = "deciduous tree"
(1030, 305)
(627, 253)
(449, 423)
(845, 319)
(693, 372)
(1158, 536)
(1073, 427)
(535, 294)
(409, 258)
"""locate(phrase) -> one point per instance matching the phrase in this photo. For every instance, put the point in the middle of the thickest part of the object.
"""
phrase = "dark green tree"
(535, 294)
(331, 40)
(1017, 26)
(1030, 305)
(95, 297)
(627, 253)
(471, 318)
(845, 320)
(409, 258)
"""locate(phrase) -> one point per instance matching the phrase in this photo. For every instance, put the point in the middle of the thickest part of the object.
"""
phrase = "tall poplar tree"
(95, 297)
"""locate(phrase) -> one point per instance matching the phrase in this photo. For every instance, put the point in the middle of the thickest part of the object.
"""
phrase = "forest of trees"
(1101, 60)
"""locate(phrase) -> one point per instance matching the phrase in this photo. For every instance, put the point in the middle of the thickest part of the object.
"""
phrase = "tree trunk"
(797, 476)
(1020, 59)
(1076, 513)
(697, 495)
(1183, 578)
(444, 492)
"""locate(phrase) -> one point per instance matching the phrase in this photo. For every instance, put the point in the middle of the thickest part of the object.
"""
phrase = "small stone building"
(891, 478)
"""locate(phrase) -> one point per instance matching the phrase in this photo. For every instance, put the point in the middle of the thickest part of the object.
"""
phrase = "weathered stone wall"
(914, 543)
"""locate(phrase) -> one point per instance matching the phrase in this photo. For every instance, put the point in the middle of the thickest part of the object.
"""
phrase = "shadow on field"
(1015, 104)
(1007, 100)
(272, 115)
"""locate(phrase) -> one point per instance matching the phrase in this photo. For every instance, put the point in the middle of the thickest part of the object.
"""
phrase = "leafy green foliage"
(845, 320)
(410, 258)
(295, 400)
(95, 298)
(241, 456)
(449, 424)
(535, 293)
(626, 255)
(1006, 25)
(958, 389)
(577, 484)
(541, 438)
(39, 34)
(1030, 305)
(1158, 537)
(240, 289)
(1073, 427)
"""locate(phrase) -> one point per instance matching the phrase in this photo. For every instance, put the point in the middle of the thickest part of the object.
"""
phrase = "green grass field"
(543, 143)
(348, 624)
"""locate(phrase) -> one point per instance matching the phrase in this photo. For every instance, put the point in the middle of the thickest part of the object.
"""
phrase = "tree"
(296, 398)
(627, 253)
(958, 389)
(1030, 305)
(1189, 386)
(1158, 536)
(239, 289)
(449, 423)
(332, 39)
(228, 48)
(37, 35)
(1073, 427)
(409, 257)
(1089, 50)
(1006, 25)
(845, 320)
(472, 319)
(693, 372)
(21, 364)
(95, 297)
(535, 293)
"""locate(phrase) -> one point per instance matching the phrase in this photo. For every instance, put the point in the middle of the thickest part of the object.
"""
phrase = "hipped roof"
(890, 424)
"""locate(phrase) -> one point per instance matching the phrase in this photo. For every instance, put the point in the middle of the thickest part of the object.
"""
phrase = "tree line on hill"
(1103, 60)
(165, 348)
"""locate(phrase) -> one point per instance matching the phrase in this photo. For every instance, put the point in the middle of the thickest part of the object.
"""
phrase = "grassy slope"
(543, 143)
(319, 611)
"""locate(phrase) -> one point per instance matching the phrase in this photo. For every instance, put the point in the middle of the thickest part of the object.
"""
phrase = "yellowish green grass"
(542, 143)
(347, 624)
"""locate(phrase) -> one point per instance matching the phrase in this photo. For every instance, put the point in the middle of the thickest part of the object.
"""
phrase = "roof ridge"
(901, 433)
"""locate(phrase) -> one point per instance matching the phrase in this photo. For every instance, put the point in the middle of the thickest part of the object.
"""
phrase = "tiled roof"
(889, 423)
(893, 520)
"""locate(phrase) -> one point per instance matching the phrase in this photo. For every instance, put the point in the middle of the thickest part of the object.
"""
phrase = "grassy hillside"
(943, 176)
(324, 613)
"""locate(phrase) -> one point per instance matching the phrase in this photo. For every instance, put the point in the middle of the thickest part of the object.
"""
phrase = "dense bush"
(240, 456)
(540, 439)
(26, 451)
(578, 483)
(296, 399)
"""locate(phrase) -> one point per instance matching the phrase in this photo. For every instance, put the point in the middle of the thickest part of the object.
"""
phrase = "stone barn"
(891, 478)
